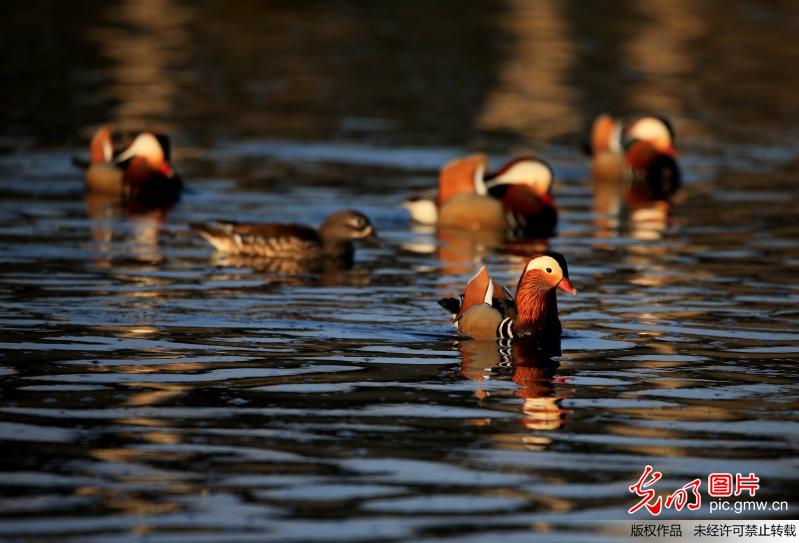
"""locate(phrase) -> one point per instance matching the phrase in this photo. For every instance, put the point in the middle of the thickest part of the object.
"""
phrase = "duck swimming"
(482, 312)
(516, 197)
(333, 238)
(140, 172)
(609, 135)
(640, 152)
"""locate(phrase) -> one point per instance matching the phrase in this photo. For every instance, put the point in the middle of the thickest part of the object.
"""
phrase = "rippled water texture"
(153, 391)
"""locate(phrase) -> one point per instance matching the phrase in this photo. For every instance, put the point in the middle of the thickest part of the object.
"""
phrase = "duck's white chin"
(422, 211)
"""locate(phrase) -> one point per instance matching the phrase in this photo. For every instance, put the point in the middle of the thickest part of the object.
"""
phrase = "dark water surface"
(153, 391)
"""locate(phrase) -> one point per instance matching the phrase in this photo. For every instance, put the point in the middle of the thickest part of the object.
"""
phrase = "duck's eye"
(549, 270)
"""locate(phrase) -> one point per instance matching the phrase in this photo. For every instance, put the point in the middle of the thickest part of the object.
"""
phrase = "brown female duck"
(333, 239)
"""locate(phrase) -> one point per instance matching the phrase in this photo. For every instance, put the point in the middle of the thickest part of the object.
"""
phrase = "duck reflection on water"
(530, 365)
(321, 272)
(113, 220)
(457, 249)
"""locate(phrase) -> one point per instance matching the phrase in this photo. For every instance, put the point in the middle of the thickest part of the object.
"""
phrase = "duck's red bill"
(565, 284)
(166, 169)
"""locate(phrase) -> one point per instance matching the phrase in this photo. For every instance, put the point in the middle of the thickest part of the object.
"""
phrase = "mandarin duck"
(516, 197)
(484, 313)
(141, 172)
(640, 152)
(333, 239)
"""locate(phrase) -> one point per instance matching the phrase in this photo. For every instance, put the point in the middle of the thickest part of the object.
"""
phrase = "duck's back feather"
(266, 240)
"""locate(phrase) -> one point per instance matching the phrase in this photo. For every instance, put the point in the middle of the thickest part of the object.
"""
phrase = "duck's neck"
(536, 310)
(337, 248)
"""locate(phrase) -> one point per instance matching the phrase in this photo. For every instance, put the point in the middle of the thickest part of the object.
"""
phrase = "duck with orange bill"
(141, 172)
(640, 152)
(484, 312)
(517, 197)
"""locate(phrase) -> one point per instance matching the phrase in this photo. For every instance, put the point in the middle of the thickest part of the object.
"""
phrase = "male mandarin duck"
(483, 313)
(141, 172)
(640, 152)
(517, 196)
(611, 135)
(333, 239)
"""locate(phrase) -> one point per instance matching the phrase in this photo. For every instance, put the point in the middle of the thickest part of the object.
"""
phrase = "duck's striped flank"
(505, 328)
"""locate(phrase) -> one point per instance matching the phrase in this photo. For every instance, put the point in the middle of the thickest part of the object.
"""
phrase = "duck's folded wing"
(506, 307)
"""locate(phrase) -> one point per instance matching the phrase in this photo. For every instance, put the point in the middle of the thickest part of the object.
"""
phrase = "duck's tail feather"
(218, 234)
